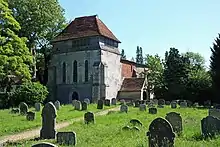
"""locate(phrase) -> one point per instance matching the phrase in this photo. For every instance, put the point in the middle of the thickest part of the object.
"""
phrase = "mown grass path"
(35, 132)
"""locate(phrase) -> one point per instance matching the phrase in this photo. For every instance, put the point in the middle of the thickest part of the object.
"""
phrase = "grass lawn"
(14, 123)
(106, 132)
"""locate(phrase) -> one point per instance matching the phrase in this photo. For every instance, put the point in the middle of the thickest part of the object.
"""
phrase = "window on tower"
(64, 72)
(75, 71)
(86, 71)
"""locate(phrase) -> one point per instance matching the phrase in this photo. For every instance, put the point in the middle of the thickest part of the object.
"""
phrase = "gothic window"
(75, 71)
(86, 71)
(64, 72)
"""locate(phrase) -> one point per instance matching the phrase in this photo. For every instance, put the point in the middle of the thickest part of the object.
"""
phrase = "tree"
(196, 60)
(123, 56)
(41, 21)
(139, 55)
(215, 68)
(15, 58)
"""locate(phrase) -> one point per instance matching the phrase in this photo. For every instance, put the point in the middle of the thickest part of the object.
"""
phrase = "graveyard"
(115, 128)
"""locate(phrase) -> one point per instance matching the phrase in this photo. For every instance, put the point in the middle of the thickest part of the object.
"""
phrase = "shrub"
(30, 93)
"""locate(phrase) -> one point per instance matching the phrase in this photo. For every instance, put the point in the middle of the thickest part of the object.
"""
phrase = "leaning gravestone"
(152, 110)
(30, 116)
(142, 107)
(84, 106)
(124, 108)
(173, 105)
(161, 102)
(210, 126)
(66, 138)
(214, 113)
(74, 102)
(87, 101)
(49, 114)
(89, 118)
(78, 105)
(107, 102)
(160, 134)
(37, 106)
(44, 144)
(23, 108)
(176, 121)
(114, 101)
(183, 104)
(57, 105)
(100, 104)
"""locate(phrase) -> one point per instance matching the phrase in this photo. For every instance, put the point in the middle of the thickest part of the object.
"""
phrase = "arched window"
(86, 71)
(75, 71)
(64, 72)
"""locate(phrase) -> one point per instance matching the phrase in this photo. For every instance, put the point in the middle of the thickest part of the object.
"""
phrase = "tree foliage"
(139, 55)
(123, 56)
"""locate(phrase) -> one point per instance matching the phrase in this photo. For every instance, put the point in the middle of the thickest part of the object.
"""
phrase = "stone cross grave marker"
(107, 102)
(173, 104)
(66, 138)
(215, 113)
(183, 104)
(84, 106)
(142, 107)
(44, 144)
(37, 106)
(124, 108)
(73, 103)
(89, 118)
(78, 105)
(57, 104)
(160, 134)
(87, 101)
(23, 108)
(176, 121)
(49, 114)
(30, 116)
(100, 104)
(210, 126)
(161, 102)
(152, 110)
(114, 101)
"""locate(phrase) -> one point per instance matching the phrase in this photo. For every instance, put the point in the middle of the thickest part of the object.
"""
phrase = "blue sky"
(189, 25)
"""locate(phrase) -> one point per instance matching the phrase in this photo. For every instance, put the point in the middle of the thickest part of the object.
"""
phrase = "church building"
(86, 63)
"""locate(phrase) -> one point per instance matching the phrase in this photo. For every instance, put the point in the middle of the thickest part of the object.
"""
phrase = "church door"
(144, 95)
(75, 96)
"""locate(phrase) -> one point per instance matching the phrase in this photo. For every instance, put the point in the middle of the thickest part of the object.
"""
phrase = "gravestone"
(189, 103)
(124, 108)
(136, 103)
(30, 116)
(15, 110)
(66, 138)
(173, 105)
(176, 121)
(167, 102)
(84, 106)
(73, 103)
(215, 113)
(131, 103)
(142, 107)
(37, 106)
(155, 101)
(44, 144)
(78, 105)
(152, 110)
(150, 104)
(183, 104)
(57, 104)
(107, 102)
(210, 126)
(216, 106)
(23, 108)
(114, 101)
(122, 102)
(196, 104)
(161, 102)
(87, 101)
(160, 134)
(135, 122)
(49, 114)
(89, 118)
(100, 104)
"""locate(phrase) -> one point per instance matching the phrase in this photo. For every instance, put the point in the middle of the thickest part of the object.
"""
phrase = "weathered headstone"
(44, 144)
(84, 106)
(122, 102)
(176, 121)
(210, 126)
(173, 105)
(183, 104)
(150, 104)
(114, 101)
(135, 122)
(89, 118)
(167, 102)
(73, 103)
(152, 110)
(124, 108)
(215, 113)
(161, 102)
(66, 138)
(37, 106)
(30, 116)
(137, 103)
(49, 114)
(15, 110)
(78, 105)
(142, 107)
(57, 104)
(87, 101)
(100, 104)
(155, 101)
(160, 134)
(107, 102)
(23, 108)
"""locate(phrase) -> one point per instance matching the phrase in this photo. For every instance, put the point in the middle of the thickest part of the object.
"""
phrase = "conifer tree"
(123, 56)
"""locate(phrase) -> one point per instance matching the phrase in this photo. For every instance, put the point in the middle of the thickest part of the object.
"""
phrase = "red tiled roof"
(84, 27)
(132, 84)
